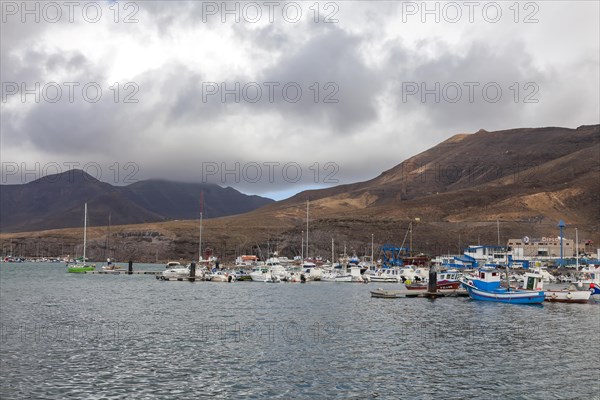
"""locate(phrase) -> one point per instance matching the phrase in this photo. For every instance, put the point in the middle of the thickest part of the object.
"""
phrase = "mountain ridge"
(56, 201)
(455, 192)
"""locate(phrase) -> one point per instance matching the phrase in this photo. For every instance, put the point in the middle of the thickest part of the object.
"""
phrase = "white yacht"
(336, 276)
(175, 270)
(385, 275)
(272, 270)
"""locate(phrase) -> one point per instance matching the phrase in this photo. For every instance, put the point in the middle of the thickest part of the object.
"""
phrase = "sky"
(275, 97)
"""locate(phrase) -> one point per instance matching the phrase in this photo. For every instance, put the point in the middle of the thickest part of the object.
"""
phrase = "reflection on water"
(110, 336)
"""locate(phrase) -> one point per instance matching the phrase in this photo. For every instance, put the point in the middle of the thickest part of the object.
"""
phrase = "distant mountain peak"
(72, 176)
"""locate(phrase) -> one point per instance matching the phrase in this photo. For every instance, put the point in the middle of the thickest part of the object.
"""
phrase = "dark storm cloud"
(174, 129)
(449, 88)
(331, 57)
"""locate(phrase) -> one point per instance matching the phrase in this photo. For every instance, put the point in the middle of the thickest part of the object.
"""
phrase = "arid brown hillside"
(453, 194)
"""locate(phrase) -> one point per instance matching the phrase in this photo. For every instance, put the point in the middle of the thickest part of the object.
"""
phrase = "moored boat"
(273, 271)
(595, 292)
(385, 275)
(448, 279)
(242, 276)
(81, 267)
(567, 295)
(486, 287)
(336, 277)
(570, 295)
(221, 276)
(176, 272)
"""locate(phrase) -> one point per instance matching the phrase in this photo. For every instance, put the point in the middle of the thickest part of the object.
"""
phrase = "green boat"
(81, 267)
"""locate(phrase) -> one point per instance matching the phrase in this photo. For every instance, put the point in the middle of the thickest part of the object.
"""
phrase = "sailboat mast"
(372, 236)
(332, 253)
(576, 250)
(107, 253)
(84, 230)
(410, 251)
(302, 248)
(200, 238)
(498, 228)
(306, 228)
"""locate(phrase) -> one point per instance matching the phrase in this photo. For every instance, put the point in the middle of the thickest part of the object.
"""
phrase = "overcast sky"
(361, 67)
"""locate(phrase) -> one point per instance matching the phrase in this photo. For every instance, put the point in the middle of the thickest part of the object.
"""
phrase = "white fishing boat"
(570, 294)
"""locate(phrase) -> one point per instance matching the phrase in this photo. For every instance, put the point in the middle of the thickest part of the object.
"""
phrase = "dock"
(122, 272)
(398, 294)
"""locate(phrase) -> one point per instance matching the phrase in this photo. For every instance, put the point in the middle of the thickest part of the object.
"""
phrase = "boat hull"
(258, 276)
(175, 273)
(80, 269)
(513, 297)
(568, 296)
(384, 294)
(383, 279)
(339, 278)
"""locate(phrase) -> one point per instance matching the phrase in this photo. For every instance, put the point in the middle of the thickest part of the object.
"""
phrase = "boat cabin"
(488, 279)
(450, 275)
(533, 281)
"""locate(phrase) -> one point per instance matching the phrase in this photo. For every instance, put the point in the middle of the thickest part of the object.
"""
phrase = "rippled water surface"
(109, 336)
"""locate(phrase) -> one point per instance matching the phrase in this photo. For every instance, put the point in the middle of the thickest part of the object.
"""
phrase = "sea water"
(132, 336)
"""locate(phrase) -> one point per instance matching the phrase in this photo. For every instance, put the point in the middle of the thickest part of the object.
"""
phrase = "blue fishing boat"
(486, 287)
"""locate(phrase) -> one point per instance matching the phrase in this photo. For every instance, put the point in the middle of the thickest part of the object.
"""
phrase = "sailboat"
(82, 266)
